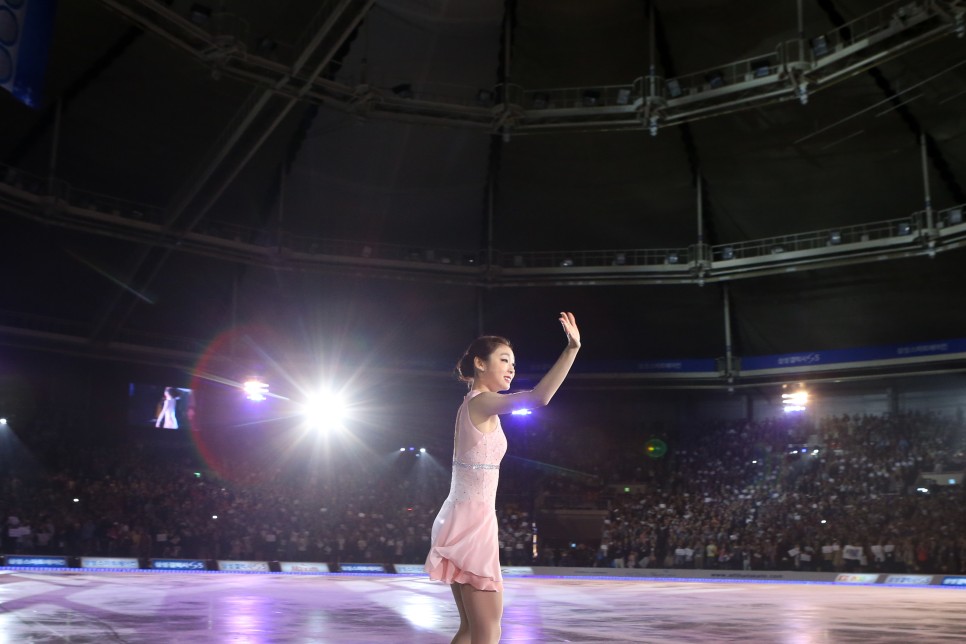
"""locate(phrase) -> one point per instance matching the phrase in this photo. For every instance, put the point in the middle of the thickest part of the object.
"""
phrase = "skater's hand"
(569, 325)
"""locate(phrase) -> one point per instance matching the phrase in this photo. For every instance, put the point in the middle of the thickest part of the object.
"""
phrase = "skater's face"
(497, 371)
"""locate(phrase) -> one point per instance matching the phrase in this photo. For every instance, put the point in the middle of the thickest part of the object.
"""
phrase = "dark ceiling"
(131, 115)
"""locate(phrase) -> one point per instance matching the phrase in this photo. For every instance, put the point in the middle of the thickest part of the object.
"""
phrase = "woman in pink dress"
(465, 547)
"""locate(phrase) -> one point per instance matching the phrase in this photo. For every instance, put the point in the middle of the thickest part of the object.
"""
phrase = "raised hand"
(569, 325)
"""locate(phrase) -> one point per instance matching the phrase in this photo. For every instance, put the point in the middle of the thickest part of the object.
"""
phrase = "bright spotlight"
(3, 421)
(521, 412)
(422, 450)
(255, 389)
(324, 411)
(796, 401)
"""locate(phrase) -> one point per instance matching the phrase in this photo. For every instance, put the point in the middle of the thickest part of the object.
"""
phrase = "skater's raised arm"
(501, 369)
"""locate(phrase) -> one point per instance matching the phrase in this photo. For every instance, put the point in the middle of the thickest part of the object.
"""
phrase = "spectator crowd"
(842, 493)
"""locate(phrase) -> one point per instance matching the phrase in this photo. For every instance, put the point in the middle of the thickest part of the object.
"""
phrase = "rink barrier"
(128, 564)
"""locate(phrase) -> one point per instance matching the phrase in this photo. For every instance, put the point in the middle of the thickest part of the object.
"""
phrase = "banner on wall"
(949, 349)
(31, 561)
(26, 27)
(111, 563)
(303, 567)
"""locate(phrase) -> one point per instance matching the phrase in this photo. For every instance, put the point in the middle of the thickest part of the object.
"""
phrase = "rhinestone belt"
(475, 466)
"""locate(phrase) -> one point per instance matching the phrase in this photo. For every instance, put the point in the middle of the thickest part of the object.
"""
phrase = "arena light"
(3, 421)
(255, 389)
(795, 401)
(521, 412)
(324, 410)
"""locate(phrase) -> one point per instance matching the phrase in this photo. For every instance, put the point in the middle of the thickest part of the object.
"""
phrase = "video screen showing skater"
(163, 407)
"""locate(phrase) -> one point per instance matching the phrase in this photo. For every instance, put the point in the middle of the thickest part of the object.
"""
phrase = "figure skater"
(464, 551)
(168, 417)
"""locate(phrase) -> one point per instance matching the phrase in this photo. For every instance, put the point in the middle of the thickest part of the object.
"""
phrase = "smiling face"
(497, 371)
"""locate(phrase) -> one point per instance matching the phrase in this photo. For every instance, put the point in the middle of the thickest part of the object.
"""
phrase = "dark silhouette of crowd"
(844, 493)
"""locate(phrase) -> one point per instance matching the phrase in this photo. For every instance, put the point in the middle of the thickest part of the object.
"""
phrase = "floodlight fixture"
(760, 68)
(567, 263)
(266, 45)
(673, 258)
(673, 88)
(624, 96)
(796, 401)
(324, 410)
(904, 228)
(200, 14)
(484, 98)
(834, 238)
(819, 47)
(403, 90)
(954, 216)
(3, 421)
(728, 252)
(715, 79)
(255, 390)
(591, 98)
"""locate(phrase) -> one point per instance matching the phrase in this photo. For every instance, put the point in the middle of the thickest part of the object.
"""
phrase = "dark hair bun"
(482, 347)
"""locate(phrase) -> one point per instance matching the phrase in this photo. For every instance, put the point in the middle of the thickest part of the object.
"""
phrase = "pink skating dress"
(465, 544)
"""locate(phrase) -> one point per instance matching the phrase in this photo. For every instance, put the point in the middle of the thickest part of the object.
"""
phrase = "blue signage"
(954, 581)
(860, 354)
(178, 564)
(24, 561)
(125, 563)
(359, 567)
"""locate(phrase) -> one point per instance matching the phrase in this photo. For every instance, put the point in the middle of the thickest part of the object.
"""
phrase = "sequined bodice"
(476, 459)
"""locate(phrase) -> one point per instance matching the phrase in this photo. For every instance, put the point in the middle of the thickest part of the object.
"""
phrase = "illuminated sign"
(303, 567)
(910, 580)
(243, 566)
(178, 564)
(124, 563)
(36, 562)
(858, 578)
(409, 569)
(954, 581)
(359, 567)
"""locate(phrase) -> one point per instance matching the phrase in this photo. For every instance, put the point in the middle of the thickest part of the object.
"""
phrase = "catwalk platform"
(88, 607)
